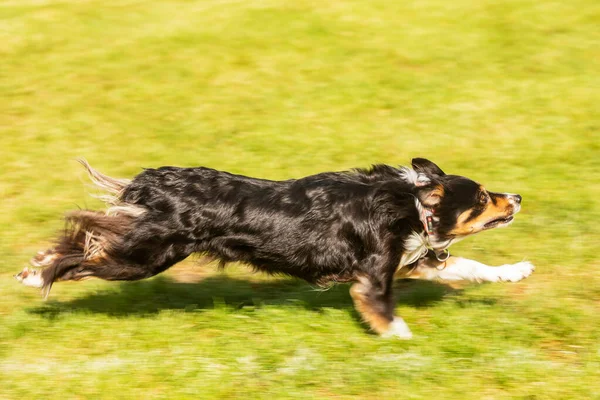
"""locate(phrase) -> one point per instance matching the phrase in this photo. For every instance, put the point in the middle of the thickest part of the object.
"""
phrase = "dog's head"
(459, 205)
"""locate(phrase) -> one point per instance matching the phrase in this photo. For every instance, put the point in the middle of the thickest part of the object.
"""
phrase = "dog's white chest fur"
(415, 246)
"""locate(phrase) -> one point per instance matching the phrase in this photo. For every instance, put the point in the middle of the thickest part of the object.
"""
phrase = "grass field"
(505, 92)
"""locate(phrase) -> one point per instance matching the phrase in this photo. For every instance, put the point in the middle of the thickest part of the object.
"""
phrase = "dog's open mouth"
(499, 222)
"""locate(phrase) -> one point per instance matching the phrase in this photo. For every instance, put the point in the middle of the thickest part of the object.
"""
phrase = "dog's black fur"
(329, 227)
(323, 227)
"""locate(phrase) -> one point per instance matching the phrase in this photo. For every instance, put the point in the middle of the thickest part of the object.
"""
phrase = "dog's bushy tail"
(112, 186)
(87, 245)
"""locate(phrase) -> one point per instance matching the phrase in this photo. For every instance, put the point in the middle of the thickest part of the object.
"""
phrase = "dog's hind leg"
(83, 247)
(102, 246)
(45, 260)
(32, 277)
(97, 244)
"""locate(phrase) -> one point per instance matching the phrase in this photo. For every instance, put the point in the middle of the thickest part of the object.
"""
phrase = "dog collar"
(427, 220)
(426, 216)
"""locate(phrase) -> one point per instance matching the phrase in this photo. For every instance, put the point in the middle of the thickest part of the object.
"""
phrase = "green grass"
(505, 92)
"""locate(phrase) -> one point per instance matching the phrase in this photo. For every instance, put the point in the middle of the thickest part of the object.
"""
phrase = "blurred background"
(505, 92)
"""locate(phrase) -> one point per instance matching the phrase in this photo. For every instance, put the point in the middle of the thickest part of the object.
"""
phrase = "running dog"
(365, 226)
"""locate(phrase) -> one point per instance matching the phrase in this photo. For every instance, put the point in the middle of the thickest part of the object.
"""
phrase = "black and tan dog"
(362, 226)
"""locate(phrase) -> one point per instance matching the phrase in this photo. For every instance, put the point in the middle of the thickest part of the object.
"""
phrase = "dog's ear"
(431, 195)
(424, 166)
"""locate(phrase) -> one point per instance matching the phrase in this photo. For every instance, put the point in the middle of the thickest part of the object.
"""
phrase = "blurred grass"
(505, 92)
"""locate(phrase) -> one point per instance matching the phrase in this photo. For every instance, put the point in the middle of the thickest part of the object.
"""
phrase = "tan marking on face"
(502, 209)
(378, 323)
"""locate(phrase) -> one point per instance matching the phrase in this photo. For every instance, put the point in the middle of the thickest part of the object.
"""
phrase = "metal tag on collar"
(440, 256)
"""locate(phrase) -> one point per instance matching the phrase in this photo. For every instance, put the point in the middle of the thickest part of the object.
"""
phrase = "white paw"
(515, 272)
(398, 329)
(30, 278)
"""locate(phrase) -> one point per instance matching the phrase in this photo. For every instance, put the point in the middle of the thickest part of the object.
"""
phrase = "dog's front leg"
(375, 303)
(462, 269)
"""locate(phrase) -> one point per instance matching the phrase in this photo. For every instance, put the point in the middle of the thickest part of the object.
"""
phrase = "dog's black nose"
(518, 198)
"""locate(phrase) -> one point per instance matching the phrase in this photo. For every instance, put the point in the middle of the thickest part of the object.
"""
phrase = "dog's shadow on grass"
(150, 297)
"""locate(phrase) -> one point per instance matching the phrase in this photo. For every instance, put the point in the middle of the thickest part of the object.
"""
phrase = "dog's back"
(319, 228)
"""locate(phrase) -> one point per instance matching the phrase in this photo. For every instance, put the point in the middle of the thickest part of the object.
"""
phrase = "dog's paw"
(43, 258)
(30, 278)
(398, 329)
(515, 272)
